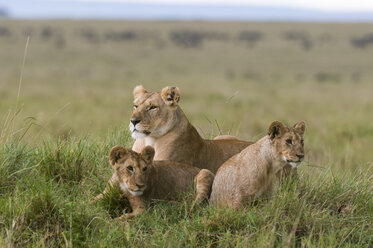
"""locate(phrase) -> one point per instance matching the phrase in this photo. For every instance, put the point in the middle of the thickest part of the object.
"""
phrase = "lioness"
(142, 179)
(157, 120)
(251, 172)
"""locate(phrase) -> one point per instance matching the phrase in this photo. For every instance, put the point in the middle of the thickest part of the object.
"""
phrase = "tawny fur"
(225, 137)
(251, 173)
(141, 179)
(163, 125)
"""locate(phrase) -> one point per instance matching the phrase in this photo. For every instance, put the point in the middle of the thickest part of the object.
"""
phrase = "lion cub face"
(288, 142)
(132, 168)
(153, 112)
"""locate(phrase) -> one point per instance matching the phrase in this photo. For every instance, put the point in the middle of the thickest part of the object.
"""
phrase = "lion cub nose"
(300, 156)
(135, 121)
(140, 185)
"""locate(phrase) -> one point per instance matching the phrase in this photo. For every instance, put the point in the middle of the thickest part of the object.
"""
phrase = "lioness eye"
(302, 142)
(145, 168)
(134, 106)
(289, 141)
(152, 107)
(130, 168)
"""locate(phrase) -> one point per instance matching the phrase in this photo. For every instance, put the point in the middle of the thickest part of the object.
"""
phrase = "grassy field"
(75, 100)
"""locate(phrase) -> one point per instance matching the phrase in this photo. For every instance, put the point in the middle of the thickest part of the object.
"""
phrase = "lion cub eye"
(302, 142)
(153, 107)
(134, 106)
(130, 168)
(289, 142)
(145, 168)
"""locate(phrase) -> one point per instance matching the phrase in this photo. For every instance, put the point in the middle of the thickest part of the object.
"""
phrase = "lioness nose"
(140, 185)
(300, 156)
(135, 121)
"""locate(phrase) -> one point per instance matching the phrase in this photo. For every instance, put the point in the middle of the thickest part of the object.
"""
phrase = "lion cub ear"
(276, 129)
(148, 154)
(138, 90)
(300, 127)
(117, 153)
(170, 95)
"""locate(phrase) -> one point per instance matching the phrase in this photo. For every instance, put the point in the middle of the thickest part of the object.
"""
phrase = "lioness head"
(288, 142)
(153, 112)
(132, 168)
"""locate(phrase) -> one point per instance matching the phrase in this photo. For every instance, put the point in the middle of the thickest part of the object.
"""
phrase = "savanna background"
(66, 99)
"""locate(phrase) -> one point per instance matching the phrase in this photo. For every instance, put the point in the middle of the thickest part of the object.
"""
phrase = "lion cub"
(142, 179)
(251, 172)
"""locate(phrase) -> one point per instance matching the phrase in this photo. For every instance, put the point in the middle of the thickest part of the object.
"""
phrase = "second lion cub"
(251, 172)
(142, 179)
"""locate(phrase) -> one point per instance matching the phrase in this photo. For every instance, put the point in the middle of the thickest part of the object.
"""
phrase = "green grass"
(75, 103)
(44, 201)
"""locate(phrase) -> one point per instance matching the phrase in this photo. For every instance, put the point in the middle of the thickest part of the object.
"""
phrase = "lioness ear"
(300, 127)
(116, 153)
(138, 90)
(170, 95)
(276, 129)
(148, 154)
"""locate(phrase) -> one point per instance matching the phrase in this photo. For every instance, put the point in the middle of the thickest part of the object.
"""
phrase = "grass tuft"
(15, 159)
(115, 203)
(63, 161)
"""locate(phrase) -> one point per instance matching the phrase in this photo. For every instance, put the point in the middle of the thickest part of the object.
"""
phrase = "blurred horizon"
(274, 10)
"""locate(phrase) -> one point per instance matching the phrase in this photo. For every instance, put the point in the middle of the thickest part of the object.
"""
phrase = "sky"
(257, 10)
(326, 5)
